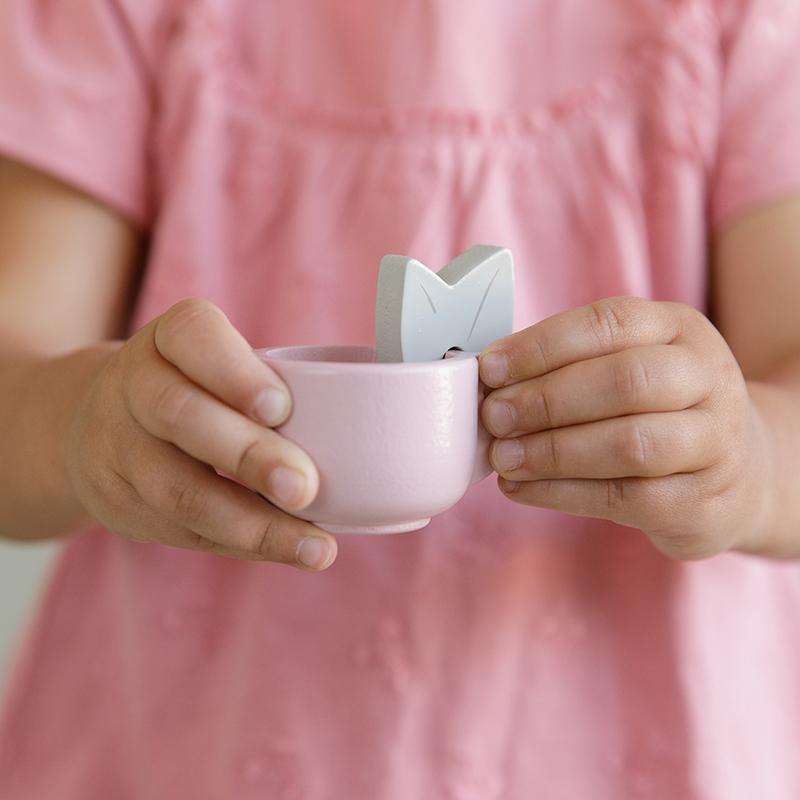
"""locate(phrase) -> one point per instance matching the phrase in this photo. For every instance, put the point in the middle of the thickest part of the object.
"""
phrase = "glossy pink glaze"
(395, 444)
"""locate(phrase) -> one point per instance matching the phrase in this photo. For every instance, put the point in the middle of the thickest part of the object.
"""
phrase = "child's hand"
(183, 396)
(630, 410)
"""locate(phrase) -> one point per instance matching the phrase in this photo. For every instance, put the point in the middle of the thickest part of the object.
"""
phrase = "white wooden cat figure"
(420, 314)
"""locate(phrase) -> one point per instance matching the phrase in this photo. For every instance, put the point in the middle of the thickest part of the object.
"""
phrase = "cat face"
(420, 314)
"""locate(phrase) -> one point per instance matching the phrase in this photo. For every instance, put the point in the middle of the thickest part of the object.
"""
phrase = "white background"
(23, 569)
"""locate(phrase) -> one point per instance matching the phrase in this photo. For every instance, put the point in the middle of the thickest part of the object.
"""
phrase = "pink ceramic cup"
(394, 444)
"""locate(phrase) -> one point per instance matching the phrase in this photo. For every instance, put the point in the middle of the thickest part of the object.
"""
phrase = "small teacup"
(394, 444)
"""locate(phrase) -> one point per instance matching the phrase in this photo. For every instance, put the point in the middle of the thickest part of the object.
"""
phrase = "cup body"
(394, 444)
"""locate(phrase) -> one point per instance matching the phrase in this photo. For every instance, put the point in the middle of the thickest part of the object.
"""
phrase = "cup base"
(400, 527)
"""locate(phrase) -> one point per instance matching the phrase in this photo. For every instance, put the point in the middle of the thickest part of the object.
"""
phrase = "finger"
(604, 327)
(639, 502)
(144, 525)
(190, 497)
(641, 379)
(643, 445)
(172, 408)
(139, 522)
(197, 337)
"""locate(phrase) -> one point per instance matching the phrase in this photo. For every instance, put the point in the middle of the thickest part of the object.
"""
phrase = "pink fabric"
(275, 151)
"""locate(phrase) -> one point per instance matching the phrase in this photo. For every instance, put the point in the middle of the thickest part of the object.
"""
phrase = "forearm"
(776, 403)
(38, 396)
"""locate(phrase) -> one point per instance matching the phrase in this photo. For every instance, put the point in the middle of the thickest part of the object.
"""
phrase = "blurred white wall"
(23, 568)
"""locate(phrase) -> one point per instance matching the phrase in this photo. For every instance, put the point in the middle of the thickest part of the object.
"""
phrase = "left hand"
(630, 410)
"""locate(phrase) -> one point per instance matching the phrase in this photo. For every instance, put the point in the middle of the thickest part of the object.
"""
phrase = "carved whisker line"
(425, 292)
(480, 307)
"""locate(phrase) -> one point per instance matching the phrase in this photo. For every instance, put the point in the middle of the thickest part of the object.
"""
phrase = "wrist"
(760, 535)
(85, 364)
(43, 394)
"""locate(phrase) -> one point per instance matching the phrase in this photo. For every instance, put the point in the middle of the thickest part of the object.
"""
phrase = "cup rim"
(279, 354)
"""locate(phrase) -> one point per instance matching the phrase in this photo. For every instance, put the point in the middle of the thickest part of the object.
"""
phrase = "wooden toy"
(468, 304)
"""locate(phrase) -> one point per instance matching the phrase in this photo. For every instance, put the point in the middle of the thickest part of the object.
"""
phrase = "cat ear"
(420, 315)
(482, 280)
(408, 294)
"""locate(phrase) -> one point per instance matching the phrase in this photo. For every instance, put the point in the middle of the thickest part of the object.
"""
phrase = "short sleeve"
(74, 98)
(758, 158)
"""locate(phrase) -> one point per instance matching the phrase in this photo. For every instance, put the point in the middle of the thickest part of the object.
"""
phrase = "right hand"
(186, 397)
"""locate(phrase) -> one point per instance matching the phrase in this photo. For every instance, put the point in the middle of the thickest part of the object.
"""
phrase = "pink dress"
(275, 151)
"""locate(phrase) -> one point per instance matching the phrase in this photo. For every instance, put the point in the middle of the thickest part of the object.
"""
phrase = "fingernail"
(314, 552)
(271, 406)
(287, 486)
(508, 487)
(500, 417)
(507, 455)
(494, 369)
